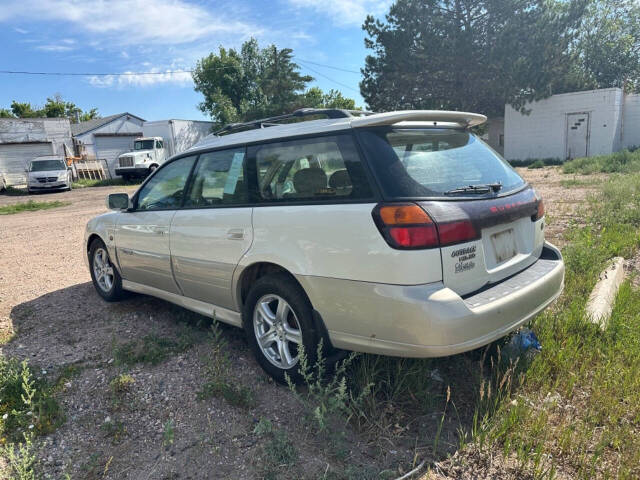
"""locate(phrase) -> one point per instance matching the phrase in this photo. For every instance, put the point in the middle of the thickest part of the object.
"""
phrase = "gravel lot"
(159, 428)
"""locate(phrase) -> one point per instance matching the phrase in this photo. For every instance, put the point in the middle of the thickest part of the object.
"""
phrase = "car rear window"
(427, 162)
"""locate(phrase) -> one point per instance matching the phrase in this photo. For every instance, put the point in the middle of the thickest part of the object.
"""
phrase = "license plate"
(504, 245)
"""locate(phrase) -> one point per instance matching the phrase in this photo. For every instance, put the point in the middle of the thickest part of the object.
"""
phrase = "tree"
(316, 98)
(608, 45)
(468, 55)
(55, 107)
(254, 83)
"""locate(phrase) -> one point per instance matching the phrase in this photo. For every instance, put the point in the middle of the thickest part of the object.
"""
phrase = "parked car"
(48, 173)
(398, 233)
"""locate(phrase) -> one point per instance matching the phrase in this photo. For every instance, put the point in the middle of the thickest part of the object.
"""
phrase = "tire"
(126, 177)
(108, 286)
(290, 330)
(152, 169)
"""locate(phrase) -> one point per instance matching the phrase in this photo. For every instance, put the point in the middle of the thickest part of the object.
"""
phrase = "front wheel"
(106, 278)
(278, 321)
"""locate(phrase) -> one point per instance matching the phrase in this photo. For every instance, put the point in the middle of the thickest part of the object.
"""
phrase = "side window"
(158, 144)
(165, 189)
(218, 179)
(311, 169)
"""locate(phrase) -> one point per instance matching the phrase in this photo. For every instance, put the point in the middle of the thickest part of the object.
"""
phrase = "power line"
(328, 78)
(340, 69)
(124, 74)
(304, 63)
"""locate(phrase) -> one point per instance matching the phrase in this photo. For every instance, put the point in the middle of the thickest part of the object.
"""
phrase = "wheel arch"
(251, 273)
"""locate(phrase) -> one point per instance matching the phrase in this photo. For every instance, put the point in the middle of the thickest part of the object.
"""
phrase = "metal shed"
(23, 139)
(106, 138)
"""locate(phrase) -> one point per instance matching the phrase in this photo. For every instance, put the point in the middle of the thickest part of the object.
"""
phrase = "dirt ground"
(161, 428)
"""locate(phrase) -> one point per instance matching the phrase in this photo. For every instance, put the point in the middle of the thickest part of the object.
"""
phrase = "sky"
(165, 36)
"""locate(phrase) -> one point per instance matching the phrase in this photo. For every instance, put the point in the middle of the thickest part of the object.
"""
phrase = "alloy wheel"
(103, 270)
(277, 331)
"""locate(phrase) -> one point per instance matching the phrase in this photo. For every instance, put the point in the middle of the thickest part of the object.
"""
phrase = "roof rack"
(301, 113)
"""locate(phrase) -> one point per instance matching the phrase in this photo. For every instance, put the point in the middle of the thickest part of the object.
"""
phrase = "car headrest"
(310, 181)
(340, 179)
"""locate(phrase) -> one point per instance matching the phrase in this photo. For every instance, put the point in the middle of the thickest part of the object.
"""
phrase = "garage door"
(14, 158)
(109, 148)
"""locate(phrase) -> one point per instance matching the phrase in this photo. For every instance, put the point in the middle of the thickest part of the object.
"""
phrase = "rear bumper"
(431, 320)
(132, 171)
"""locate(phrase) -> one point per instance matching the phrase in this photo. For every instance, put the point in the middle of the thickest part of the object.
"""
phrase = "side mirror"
(118, 201)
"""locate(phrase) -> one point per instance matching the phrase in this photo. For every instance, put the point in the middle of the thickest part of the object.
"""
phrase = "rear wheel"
(278, 321)
(105, 276)
(152, 169)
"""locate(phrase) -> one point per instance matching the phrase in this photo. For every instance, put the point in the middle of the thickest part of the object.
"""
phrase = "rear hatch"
(509, 238)
(486, 216)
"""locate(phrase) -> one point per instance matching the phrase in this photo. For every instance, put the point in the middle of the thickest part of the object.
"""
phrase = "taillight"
(540, 213)
(408, 226)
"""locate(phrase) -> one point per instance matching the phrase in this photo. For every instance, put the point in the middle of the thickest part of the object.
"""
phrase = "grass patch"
(625, 161)
(537, 164)
(31, 206)
(218, 383)
(153, 349)
(578, 402)
(107, 182)
(543, 162)
(278, 454)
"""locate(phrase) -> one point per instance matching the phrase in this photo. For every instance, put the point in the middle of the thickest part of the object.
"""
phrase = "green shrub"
(537, 164)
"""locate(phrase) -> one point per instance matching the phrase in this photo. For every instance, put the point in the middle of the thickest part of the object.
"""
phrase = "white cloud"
(21, 31)
(346, 12)
(54, 48)
(127, 22)
(155, 77)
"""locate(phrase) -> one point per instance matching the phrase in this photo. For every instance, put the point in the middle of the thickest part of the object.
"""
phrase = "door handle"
(235, 234)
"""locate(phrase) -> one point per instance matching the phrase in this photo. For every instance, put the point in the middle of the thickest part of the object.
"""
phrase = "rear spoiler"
(463, 119)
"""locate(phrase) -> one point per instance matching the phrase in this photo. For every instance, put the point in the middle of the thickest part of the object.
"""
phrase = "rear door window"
(218, 180)
(414, 162)
(321, 168)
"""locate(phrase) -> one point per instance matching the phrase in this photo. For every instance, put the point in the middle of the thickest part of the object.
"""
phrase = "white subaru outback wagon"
(398, 233)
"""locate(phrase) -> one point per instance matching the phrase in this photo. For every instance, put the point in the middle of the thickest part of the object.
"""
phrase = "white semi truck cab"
(147, 155)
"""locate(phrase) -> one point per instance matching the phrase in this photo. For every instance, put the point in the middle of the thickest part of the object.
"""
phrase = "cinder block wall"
(542, 133)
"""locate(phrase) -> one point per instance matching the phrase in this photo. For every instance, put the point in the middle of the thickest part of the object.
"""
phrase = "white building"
(23, 139)
(106, 138)
(572, 125)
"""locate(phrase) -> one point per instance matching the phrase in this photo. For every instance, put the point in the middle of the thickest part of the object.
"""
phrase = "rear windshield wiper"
(482, 188)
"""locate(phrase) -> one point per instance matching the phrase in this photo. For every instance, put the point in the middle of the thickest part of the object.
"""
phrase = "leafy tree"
(254, 83)
(4, 113)
(55, 107)
(469, 55)
(24, 110)
(316, 98)
(608, 45)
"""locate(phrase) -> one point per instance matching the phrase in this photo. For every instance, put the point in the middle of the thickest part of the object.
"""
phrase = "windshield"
(47, 165)
(143, 145)
(421, 162)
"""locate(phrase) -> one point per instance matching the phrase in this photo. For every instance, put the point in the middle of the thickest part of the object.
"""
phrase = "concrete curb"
(600, 303)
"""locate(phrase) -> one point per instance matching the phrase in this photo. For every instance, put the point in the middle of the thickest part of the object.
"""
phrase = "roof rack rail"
(300, 113)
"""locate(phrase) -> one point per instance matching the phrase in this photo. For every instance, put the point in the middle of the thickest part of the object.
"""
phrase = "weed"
(152, 348)
(116, 430)
(26, 403)
(537, 164)
(625, 161)
(279, 454)
(121, 384)
(30, 206)
(263, 427)
(217, 371)
(168, 433)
